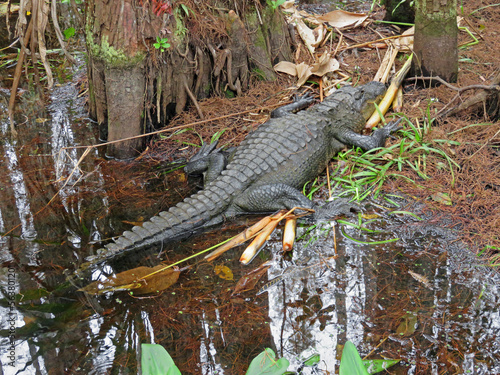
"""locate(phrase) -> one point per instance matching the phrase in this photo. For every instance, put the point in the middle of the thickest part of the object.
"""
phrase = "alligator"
(267, 171)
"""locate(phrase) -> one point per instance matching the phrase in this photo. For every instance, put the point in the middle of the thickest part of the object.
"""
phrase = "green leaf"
(351, 363)
(312, 360)
(185, 8)
(266, 363)
(155, 360)
(443, 198)
(69, 32)
(377, 365)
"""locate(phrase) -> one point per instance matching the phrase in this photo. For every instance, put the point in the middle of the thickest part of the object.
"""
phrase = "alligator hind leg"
(368, 142)
(209, 161)
(274, 197)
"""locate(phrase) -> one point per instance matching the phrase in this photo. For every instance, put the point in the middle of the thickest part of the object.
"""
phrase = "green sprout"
(161, 44)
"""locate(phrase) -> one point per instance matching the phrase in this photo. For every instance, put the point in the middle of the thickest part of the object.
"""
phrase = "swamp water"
(423, 299)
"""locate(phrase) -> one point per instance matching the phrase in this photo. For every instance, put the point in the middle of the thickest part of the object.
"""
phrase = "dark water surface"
(423, 299)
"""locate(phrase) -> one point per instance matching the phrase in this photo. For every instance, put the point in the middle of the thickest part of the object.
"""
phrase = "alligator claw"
(299, 102)
(330, 210)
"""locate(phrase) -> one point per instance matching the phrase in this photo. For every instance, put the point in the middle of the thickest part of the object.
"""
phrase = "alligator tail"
(200, 210)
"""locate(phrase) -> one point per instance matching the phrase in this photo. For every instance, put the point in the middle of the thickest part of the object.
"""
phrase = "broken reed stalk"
(254, 230)
(389, 95)
(258, 242)
(244, 236)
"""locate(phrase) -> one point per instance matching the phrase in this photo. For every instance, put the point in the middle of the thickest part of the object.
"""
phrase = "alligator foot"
(299, 103)
(331, 209)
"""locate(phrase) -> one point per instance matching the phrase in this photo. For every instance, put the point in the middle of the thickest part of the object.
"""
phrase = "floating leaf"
(312, 360)
(155, 360)
(266, 363)
(408, 325)
(420, 278)
(224, 272)
(142, 280)
(69, 32)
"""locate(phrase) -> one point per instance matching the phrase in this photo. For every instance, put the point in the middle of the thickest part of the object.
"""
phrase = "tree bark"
(435, 40)
(136, 87)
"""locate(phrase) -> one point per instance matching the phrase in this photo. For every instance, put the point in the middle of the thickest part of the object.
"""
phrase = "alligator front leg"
(368, 142)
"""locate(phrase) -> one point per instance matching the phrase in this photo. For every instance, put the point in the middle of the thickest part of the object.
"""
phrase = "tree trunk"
(147, 60)
(435, 41)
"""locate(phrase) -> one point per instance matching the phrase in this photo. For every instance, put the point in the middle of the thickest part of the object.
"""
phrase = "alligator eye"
(359, 94)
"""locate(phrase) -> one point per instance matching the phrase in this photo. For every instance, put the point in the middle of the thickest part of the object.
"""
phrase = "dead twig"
(478, 98)
(60, 38)
(17, 77)
(174, 128)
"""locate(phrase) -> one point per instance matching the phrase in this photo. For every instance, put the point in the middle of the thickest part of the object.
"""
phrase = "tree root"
(489, 96)
(192, 97)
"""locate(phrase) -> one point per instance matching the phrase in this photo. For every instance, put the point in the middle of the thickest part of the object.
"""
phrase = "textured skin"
(268, 170)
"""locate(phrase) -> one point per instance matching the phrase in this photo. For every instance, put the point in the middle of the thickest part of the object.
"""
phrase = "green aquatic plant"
(155, 360)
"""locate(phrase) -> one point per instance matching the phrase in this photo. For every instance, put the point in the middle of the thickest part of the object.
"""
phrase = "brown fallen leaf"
(248, 281)
(286, 67)
(340, 18)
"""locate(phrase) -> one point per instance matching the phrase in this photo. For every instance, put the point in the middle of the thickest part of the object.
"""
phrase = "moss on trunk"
(136, 87)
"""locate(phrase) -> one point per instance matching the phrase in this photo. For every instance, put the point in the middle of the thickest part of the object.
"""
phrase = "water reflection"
(422, 299)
